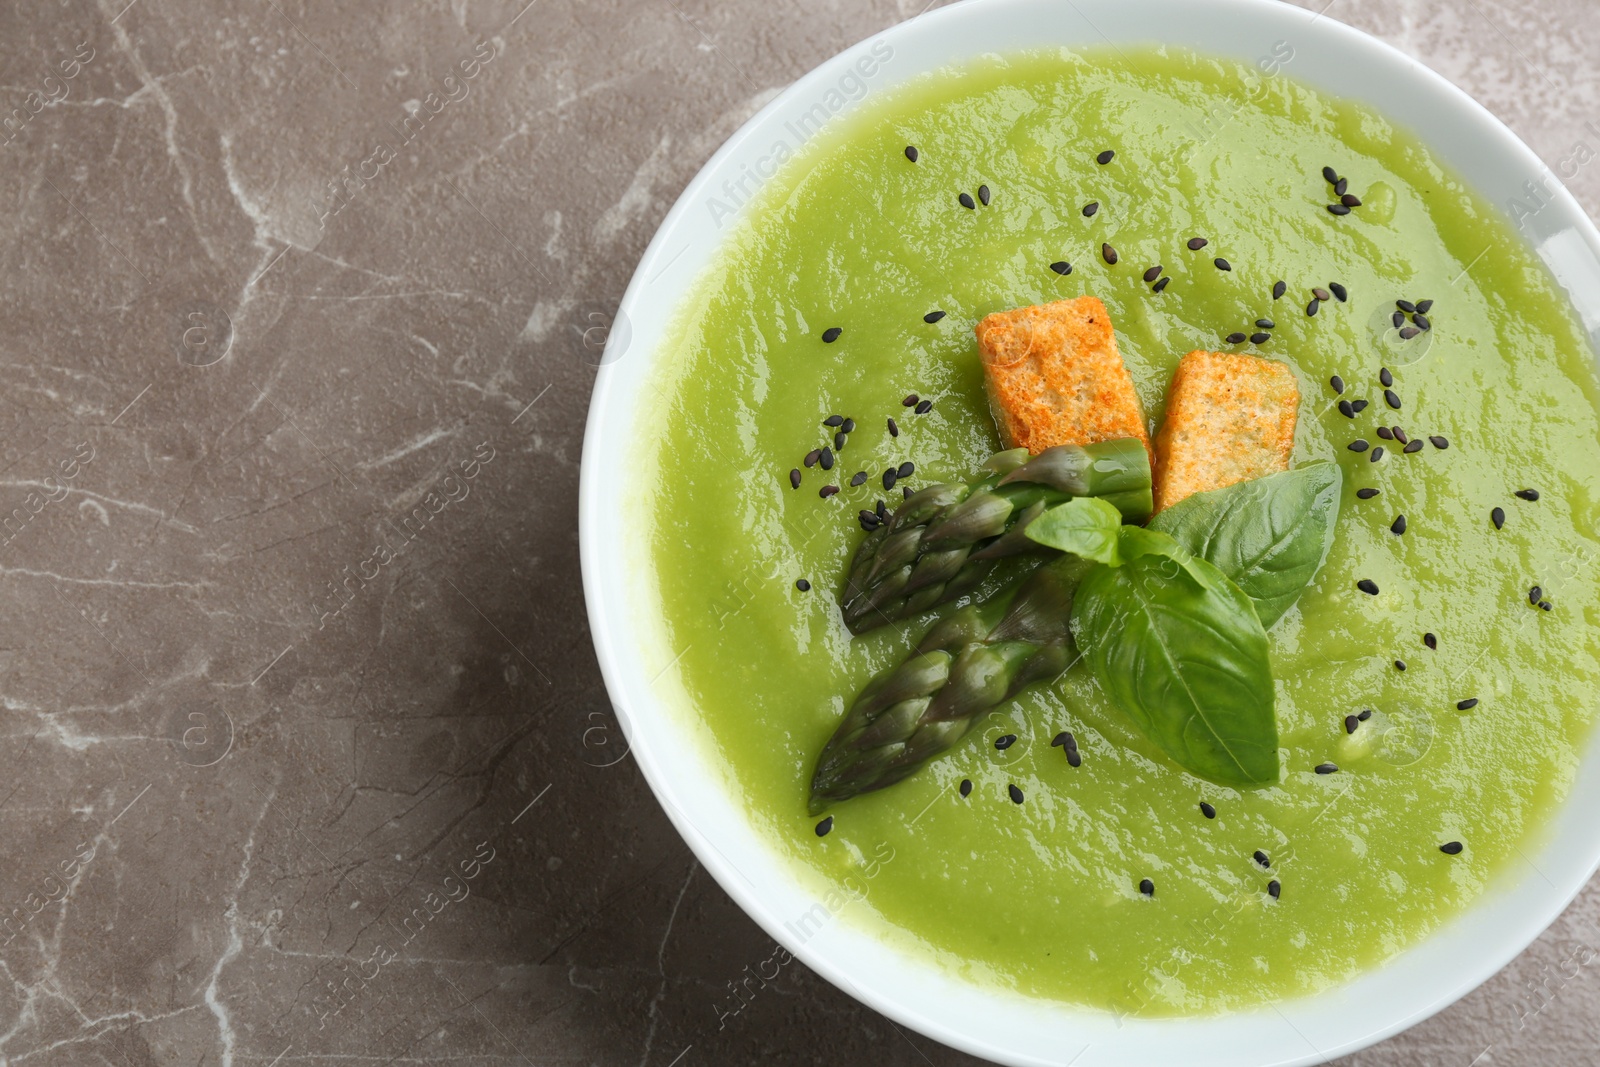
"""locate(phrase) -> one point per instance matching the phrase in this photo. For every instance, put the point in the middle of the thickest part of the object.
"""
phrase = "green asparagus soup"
(1426, 695)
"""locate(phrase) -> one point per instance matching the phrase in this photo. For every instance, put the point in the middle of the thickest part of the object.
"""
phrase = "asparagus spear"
(969, 663)
(941, 541)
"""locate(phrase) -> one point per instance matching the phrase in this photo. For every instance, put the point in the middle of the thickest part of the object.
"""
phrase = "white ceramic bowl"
(681, 769)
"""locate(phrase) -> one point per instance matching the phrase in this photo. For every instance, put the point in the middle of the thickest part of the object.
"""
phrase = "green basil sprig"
(1173, 620)
(1269, 535)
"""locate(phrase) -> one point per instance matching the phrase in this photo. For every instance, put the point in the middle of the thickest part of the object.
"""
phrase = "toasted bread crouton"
(1229, 418)
(1054, 376)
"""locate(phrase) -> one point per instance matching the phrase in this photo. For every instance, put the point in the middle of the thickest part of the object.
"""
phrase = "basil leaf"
(1268, 535)
(1084, 526)
(1180, 649)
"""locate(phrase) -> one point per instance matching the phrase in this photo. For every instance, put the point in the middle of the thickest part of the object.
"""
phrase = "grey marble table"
(306, 756)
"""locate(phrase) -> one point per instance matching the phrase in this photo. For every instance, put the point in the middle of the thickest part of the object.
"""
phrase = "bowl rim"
(609, 600)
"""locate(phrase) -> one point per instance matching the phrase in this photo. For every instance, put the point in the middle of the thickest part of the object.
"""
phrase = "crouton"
(1054, 377)
(1229, 418)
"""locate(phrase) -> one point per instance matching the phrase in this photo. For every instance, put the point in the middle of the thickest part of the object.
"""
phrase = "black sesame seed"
(1337, 383)
(1498, 517)
(966, 786)
(1451, 848)
(857, 478)
(905, 491)
(1197, 243)
(983, 195)
(1327, 768)
(1385, 376)
(1358, 405)
(911, 152)
(1222, 264)
(812, 457)
(1368, 586)
(1090, 208)
(1544, 604)
(833, 420)
(1408, 333)
(1262, 858)
(932, 317)
(889, 478)
(1467, 705)
(1439, 442)
(1351, 722)
(824, 826)
(868, 519)
(794, 478)
(1366, 494)
(803, 585)
(1158, 286)
(1235, 338)
(1412, 447)
(1005, 741)
(1321, 294)
(1527, 494)
(1535, 594)
(1340, 293)
(1358, 445)
(1274, 889)
(1399, 319)
(1399, 435)
(1338, 209)
(1365, 715)
(831, 334)
(967, 201)
(1266, 324)
(1260, 338)
(910, 401)
(827, 459)
(1109, 253)
(1430, 640)
(838, 441)
(1061, 267)
(1279, 288)
(1147, 887)
(906, 469)
(1424, 306)
(1386, 433)
(1391, 398)
(848, 426)
(1422, 321)
(1347, 409)
(1375, 455)
(1016, 794)
(1399, 664)
(924, 407)
(1152, 273)
(1350, 200)
(894, 430)
(1105, 157)
(1398, 526)
(1069, 745)
(1207, 810)
(1330, 174)
(1311, 308)
(1405, 305)
(883, 510)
